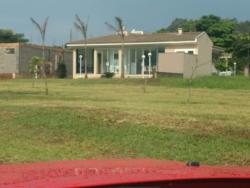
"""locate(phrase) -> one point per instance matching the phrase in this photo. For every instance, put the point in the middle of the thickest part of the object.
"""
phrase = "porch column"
(143, 65)
(74, 64)
(95, 62)
(120, 62)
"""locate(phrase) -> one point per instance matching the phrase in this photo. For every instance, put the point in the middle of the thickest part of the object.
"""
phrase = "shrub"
(108, 75)
(61, 70)
(35, 65)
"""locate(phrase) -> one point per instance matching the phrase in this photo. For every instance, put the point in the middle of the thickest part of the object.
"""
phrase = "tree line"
(9, 36)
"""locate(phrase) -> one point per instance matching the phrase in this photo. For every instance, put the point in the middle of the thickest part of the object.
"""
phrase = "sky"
(146, 15)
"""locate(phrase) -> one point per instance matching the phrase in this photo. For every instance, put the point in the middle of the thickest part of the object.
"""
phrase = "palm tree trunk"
(44, 71)
(85, 62)
(122, 62)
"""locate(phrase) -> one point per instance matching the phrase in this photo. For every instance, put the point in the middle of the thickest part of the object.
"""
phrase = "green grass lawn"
(106, 119)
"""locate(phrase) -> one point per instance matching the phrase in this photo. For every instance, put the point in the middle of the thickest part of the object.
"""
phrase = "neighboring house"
(181, 53)
(15, 58)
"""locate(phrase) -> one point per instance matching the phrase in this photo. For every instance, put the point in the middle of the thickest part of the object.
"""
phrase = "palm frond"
(37, 25)
(120, 26)
(81, 26)
(87, 24)
(42, 28)
(110, 26)
(77, 26)
(119, 23)
(78, 19)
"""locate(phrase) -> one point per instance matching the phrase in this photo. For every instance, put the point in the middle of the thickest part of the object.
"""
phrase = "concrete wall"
(15, 58)
(26, 54)
(9, 54)
(205, 50)
(199, 64)
(52, 56)
(172, 63)
(177, 63)
(190, 62)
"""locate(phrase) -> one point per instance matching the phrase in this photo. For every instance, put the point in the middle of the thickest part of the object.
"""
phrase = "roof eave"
(131, 44)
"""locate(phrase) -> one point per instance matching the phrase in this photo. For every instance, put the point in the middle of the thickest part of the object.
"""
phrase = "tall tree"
(242, 27)
(220, 30)
(42, 30)
(119, 28)
(83, 28)
(241, 50)
(230, 34)
(8, 36)
(185, 24)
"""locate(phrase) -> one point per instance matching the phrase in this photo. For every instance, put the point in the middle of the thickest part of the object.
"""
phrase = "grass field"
(106, 119)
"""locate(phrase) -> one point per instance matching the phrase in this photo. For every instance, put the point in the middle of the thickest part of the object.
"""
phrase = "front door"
(99, 63)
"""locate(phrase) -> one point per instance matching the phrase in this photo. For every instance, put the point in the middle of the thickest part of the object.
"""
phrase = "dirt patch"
(5, 114)
(118, 118)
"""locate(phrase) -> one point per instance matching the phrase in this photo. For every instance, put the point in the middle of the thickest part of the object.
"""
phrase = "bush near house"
(35, 66)
(108, 75)
(61, 70)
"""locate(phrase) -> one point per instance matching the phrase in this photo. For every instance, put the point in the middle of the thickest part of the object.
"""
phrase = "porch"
(138, 62)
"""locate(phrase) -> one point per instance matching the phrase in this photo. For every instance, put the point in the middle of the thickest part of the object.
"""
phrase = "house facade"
(181, 53)
(15, 58)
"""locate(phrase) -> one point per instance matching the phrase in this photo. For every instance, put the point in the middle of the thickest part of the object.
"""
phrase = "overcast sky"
(147, 15)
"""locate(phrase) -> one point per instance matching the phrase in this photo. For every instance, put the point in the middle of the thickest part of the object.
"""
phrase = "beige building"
(15, 58)
(180, 53)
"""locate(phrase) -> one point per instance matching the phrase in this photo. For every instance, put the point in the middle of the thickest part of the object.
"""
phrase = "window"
(183, 52)
(161, 50)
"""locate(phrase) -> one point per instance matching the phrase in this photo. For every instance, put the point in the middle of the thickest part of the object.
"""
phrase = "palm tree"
(42, 30)
(120, 30)
(83, 28)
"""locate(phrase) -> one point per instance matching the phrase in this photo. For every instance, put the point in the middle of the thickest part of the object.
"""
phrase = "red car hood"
(115, 172)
